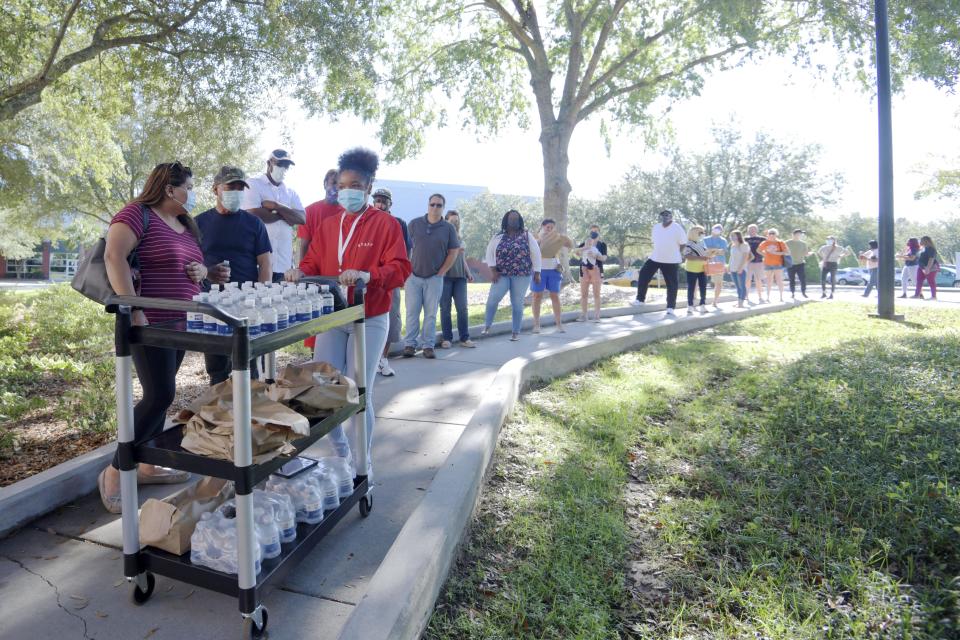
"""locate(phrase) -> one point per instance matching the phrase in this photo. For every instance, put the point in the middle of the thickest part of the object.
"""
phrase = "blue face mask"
(352, 200)
(332, 195)
(189, 204)
(594, 235)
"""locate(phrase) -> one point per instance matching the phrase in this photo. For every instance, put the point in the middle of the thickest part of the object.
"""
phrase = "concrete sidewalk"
(61, 576)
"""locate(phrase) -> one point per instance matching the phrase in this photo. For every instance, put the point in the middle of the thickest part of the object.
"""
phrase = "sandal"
(110, 503)
(163, 475)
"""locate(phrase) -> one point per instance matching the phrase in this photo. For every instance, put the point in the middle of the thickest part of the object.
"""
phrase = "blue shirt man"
(230, 233)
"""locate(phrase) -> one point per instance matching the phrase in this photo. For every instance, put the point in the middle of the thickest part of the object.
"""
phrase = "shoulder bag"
(91, 278)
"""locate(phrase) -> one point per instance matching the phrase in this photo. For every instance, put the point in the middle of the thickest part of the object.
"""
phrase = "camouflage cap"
(226, 175)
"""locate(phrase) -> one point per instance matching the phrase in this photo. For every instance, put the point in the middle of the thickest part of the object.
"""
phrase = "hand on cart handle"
(350, 277)
(219, 273)
(292, 275)
(138, 319)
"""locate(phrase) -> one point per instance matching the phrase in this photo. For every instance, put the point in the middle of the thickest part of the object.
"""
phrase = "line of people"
(759, 261)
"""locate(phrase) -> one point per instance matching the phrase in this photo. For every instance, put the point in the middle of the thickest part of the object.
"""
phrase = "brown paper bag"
(264, 411)
(168, 524)
(314, 389)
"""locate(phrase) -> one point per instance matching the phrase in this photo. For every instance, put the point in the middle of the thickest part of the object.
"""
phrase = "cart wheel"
(139, 597)
(250, 628)
(366, 505)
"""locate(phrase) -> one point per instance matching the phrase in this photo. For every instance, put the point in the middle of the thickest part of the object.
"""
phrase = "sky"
(772, 96)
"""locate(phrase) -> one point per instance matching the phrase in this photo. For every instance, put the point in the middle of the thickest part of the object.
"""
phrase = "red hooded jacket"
(376, 246)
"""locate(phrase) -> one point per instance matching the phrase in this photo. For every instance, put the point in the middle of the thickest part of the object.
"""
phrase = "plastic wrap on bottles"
(305, 495)
(283, 511)
(214, 543)
(341, 470)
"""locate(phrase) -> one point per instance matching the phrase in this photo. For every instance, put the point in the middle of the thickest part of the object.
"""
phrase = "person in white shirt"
(668, 237)
(279, 207)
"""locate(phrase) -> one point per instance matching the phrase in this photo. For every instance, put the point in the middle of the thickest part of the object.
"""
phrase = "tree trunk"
(555, 144)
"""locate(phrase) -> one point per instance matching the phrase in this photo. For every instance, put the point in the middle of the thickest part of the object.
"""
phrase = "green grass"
(794, 482)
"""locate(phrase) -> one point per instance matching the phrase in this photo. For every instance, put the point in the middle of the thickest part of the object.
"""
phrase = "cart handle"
(115, 301)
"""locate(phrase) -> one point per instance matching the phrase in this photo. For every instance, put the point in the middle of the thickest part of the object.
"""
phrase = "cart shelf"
(308, 535)
(173, 334)
(165, 450)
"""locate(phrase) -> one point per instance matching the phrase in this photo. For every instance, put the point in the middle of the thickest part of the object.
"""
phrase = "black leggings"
(157, 370)
(692, 280)
(670, 273)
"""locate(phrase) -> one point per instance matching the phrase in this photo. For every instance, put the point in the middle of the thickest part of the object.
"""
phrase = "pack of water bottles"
(318, 490)
(214, 543)
(267, 307)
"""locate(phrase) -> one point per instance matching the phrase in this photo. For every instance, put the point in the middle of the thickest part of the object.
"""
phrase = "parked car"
(852, 275)
(625, 278)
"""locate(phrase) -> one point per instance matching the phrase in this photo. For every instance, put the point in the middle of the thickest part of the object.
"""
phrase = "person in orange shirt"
(773, 251)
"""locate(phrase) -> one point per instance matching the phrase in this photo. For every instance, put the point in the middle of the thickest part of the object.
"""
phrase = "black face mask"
(513, 225)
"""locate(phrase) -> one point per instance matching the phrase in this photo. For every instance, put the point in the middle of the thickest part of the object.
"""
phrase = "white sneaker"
(703, 308)
(635, 303)
(689, 311)
(671, 312)
(384, 368)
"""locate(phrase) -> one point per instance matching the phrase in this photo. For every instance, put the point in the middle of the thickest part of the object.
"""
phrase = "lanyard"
(342, 245)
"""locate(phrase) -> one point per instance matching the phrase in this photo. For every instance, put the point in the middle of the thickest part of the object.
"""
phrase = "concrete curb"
(546, 319)
(37, 495)
(401, 594)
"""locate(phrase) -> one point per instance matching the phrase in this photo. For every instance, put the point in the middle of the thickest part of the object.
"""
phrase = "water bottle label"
(209, 325)
(314, 313)
(289, 532)
(268, 327)
(331, 502)
(224, 330)
(314, 515)
(327, 309)
(193, 324)
(254, 330)
(272, 549)
(281, 324)
(303, 317)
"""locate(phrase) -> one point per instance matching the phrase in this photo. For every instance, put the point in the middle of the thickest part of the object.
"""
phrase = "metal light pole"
(885, 294)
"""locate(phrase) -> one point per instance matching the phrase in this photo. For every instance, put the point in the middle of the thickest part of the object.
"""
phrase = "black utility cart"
(140, 565)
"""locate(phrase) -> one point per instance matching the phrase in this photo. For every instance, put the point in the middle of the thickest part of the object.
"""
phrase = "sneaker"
(561, 328)
(514, 337)
(485, 332)
(445, 344)
(703, 308)
(689, 311)
(830, 296)
(409, 352)
(635, 303)
(804, 294)
(822, 296)
(671, 312)
(428, 353)
(469, 344)
(536, 329)
(903, 296)
(919, 295)
(385, 369)
(581, 318)
(596, 318)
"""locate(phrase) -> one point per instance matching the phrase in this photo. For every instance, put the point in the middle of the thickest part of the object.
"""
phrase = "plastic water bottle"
(304, 306)
(329, 490)
(209, 322)
(268, 316)
(283, 313)
(267, 534)
(316, 301)
(253, 317)
(195, 318)
(287, 523)
(327, 299)
(312, 504)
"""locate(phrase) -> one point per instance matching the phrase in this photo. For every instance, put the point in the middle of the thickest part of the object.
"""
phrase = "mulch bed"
(42, 441)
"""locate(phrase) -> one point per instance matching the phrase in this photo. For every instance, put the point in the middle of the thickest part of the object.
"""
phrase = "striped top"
(163, 254)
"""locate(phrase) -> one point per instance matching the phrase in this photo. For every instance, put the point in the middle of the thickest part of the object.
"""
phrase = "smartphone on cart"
(296, 466)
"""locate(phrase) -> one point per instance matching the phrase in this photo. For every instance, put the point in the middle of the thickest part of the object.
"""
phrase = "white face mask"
(278, 173)
(231, 200)
(716, 232)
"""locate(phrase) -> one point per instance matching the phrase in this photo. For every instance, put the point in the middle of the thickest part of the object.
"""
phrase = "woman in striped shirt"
(170, 266)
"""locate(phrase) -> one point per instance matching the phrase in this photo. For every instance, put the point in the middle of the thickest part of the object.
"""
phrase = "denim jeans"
(874, 276)
(694, 280)
(336, 347)
(454, 291)
(517, 286)
(740, 281)
(423, 294)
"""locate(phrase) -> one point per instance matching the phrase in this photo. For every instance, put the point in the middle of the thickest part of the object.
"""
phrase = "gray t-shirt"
(431, 242)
